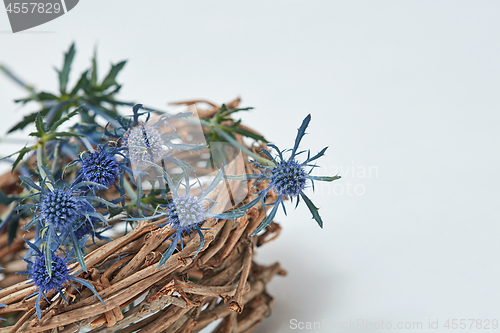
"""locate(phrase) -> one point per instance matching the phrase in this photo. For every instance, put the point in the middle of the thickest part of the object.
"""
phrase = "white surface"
(409, 88)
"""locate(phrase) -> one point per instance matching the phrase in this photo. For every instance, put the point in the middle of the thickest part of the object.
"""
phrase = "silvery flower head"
(187, 212)
(144, 145)
(149, 142)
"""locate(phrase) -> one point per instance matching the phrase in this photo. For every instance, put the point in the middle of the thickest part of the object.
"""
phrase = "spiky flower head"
(59, 208)
(144, 145)
(288, 178)
(49, 272)
(37, 271)
(185, 212)
(100, 166)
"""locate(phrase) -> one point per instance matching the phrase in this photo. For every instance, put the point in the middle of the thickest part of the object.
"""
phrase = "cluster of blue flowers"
(66, 215)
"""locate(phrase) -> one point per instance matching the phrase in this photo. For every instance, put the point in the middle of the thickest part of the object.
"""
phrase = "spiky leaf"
(64, 72)
(313, 209)
(300, 134)
(110, 79)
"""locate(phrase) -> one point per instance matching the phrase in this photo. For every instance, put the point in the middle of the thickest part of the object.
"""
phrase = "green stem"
(40, 159)
(133, 197)
(54, 162)
(130, 191)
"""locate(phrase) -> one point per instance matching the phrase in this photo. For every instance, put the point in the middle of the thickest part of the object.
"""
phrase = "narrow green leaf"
(93, 76)
(242, 177)
(42, 96)
(28, 120)
(236, 144)
(69, 135)
(62, 120)
(22, 152)
(325, 178)
(83, 81)
(249, 134)
(64, 72)
(45, 96)
(36, 134)
(106, 114)
(14, 78)
(55, 113)
(114, 211)
(109, 80)
(39, 124)
(12, 230)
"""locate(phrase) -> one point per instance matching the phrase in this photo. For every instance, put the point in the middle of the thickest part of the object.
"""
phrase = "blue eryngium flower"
(288, 178)
(100, 166)
(186, 212)
(53, 281)
(60, 211)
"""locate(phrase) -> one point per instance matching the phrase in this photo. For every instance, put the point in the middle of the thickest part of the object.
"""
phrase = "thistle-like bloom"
(288, 178)
(100, 166)
(186, 213)
(60, 211)
(143, 141)
(51, 277)
(144, 145)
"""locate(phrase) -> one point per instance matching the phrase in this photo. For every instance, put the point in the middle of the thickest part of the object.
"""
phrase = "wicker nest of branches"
(141, 222)
(222, 283)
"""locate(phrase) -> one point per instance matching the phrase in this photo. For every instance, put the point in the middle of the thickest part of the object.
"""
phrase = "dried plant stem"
(236, 304)
(217, 245)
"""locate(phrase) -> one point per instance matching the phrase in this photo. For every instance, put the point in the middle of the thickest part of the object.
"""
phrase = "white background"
(409, 88)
